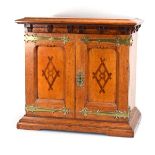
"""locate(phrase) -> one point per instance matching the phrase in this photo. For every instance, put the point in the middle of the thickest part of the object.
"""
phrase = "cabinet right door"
(101, 77)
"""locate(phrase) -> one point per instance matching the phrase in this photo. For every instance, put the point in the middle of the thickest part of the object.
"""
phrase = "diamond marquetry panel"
(102, 75)
(50, 73)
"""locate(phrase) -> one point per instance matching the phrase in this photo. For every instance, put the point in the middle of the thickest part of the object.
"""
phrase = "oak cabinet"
(80, 75)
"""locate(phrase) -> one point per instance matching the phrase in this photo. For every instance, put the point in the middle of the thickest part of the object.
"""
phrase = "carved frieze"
(82, 28)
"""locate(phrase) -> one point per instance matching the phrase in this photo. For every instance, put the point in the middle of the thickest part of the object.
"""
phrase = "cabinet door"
(50, 74)
(101, 78)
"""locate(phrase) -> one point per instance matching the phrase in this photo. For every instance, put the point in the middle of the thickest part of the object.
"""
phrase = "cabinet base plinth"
(122, 129)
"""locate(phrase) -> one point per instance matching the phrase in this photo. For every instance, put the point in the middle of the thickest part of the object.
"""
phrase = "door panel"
(51, 72)
(100, 64)
(101, 75)
(55, 72)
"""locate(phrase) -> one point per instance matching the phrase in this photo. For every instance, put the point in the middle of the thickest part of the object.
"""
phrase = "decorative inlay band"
(35, 38)
(116, 114)
(117, 40)
(31, 108)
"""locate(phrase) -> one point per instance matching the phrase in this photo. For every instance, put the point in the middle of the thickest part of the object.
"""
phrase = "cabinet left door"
(50, 75)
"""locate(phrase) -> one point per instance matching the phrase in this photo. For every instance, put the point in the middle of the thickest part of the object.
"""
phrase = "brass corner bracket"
(35, 38)
(117, 40)
(32, 108)
(116, 114)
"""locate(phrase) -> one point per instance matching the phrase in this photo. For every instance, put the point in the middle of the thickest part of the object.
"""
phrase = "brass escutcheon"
(80, 79)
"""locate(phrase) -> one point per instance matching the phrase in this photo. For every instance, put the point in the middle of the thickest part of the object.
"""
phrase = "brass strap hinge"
(116, 114)
(117, 40)
(35, 38)
(32, 108)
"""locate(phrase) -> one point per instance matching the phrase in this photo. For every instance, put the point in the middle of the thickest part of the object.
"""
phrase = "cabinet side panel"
(132, 67)
(123, 81)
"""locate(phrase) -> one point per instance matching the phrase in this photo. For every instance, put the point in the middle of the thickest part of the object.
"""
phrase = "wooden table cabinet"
(80, 75)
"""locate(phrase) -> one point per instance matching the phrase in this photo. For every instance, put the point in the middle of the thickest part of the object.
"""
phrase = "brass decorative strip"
(117, 40)
(31, 108)
(116, 114)
(35, 38)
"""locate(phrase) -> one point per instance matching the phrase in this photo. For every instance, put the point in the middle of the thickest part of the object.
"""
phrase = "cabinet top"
(56, 20)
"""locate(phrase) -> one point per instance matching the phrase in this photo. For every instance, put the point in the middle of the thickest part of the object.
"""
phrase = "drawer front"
(52, 59)
(103, 63)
